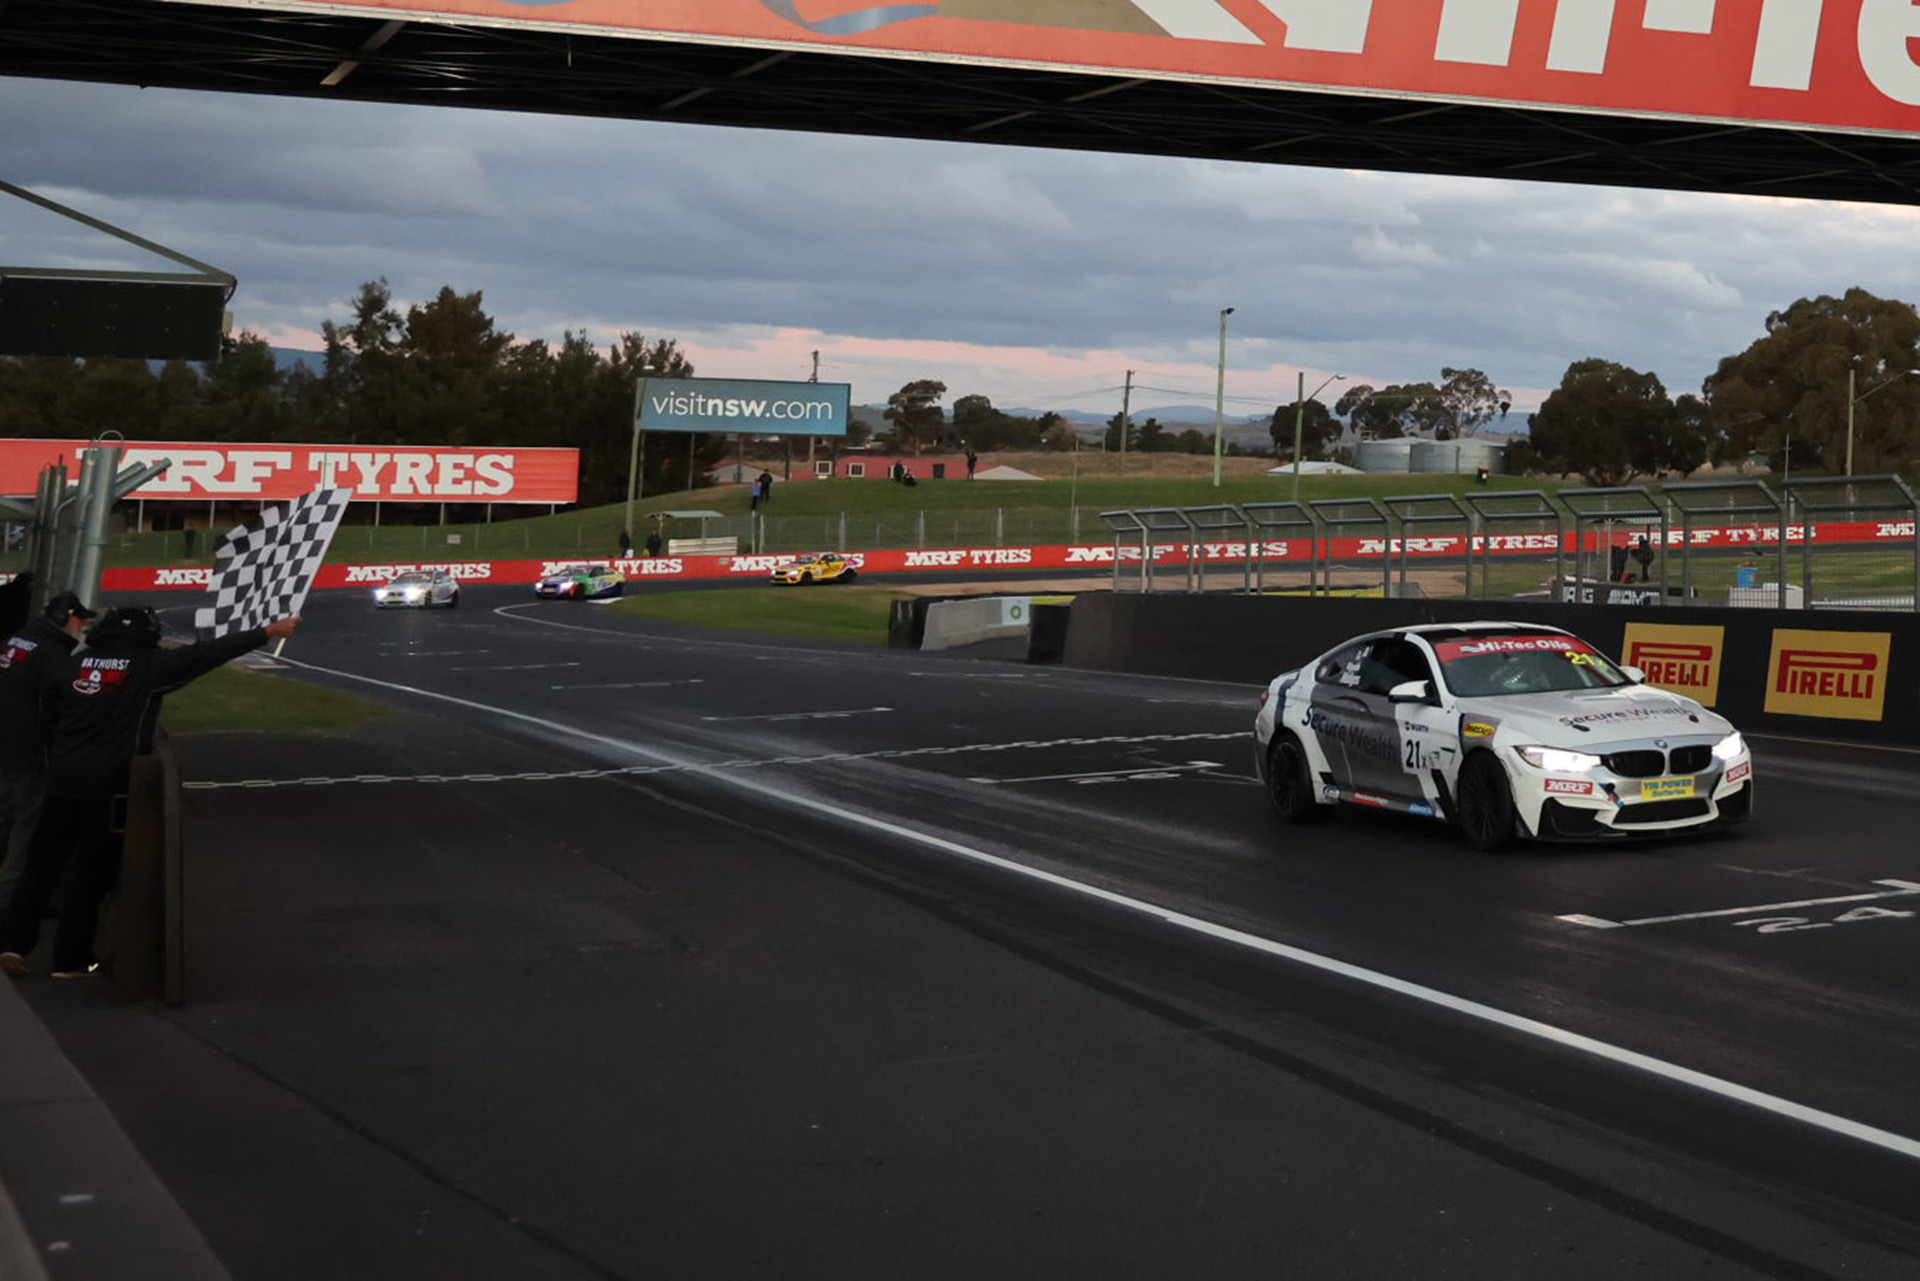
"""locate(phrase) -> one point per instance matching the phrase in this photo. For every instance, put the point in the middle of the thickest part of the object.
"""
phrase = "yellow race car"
(817, 567)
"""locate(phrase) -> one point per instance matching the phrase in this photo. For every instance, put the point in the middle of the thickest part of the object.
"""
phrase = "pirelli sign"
(1685, 660)
(1840, 675)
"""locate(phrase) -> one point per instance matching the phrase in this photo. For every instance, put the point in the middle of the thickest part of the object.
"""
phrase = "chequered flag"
(262, 571)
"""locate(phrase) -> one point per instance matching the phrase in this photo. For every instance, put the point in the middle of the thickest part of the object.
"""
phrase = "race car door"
(1425, 733)
(1352, 719)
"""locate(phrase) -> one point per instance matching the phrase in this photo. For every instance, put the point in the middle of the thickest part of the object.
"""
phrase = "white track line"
(1660, 1068)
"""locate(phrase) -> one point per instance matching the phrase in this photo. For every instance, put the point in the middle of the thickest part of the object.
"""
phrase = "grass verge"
(838, 613)
(236, 700)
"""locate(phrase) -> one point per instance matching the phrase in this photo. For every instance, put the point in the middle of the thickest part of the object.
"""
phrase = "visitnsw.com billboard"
(1843, 64)
(741, 406)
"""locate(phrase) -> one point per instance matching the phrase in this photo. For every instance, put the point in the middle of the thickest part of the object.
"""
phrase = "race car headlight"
(1556, 760)
(1729, 747)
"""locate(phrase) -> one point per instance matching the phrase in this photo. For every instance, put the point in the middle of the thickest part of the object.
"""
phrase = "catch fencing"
(1840, 543)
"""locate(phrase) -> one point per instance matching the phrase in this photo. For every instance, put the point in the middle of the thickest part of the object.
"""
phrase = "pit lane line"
(1731, 1091)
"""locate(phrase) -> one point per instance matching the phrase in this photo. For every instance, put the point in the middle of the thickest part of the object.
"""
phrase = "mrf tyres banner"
(269, 471)
(1833, 64)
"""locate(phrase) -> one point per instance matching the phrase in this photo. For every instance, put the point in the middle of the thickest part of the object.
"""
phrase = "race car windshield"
(409, 580)
(1495, 665)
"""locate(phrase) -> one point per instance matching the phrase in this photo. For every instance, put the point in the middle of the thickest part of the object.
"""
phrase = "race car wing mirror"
(1634, 674)
(1410, 692)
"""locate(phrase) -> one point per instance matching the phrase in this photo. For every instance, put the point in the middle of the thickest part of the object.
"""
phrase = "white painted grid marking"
(801, 716)
(1898, 889)
(1107, 775)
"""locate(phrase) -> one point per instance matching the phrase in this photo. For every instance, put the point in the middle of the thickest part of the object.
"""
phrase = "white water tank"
(1457, 457)
(1385, 456)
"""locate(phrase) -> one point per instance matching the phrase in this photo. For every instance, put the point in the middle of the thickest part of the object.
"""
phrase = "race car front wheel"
(1289, 787)
(1483, 804)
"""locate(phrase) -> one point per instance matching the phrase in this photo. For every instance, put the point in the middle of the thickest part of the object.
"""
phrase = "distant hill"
(1169, 416)
(285, 358)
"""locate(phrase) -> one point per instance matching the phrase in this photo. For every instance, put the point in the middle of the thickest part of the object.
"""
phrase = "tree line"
(442, 372)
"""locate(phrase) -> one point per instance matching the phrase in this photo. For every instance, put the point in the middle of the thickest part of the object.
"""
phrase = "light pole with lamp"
(1300, 421)
(1220, 398)
(1853, 400)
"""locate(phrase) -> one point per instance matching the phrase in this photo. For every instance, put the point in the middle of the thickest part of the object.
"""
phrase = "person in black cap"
(33, 659)
(101, 714)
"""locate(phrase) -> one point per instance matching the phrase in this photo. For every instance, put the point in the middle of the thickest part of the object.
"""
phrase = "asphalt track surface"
(640, 951)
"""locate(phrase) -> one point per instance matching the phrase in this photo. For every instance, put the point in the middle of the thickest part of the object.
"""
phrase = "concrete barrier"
(1839, 677)
(966, 622)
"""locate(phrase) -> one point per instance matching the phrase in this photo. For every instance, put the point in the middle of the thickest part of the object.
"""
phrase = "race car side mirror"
(1634, 674)
(1410, 692)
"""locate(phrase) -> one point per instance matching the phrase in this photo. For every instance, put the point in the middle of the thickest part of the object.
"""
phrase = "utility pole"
(1126, 401)
(1220, 398)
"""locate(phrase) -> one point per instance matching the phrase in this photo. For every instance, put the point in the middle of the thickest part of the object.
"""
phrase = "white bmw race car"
(1506, 729)
(421, 589)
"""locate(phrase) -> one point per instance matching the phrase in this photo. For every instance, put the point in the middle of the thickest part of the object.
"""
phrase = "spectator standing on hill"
(653, 542)
(33, 660)
(101, 716)
(973, 460)
(753, 497)
(626, 544)
(766, 486)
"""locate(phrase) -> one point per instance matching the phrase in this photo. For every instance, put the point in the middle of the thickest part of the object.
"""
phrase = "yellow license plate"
(1666, 789)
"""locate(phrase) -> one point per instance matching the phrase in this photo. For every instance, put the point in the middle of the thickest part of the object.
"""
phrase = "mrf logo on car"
(1833, 674)
(1684, 660)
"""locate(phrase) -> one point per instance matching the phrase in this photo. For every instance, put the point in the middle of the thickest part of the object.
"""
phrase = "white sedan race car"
(422, 589)
(1508, 730)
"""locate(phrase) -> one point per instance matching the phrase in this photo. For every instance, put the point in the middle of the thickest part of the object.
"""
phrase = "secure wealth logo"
(1685, 660)
(1834, 674)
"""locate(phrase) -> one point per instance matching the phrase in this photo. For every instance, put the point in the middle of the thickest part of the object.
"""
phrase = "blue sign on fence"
(741, 406)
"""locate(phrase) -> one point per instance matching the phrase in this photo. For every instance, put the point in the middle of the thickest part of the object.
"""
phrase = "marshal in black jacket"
(103, 713)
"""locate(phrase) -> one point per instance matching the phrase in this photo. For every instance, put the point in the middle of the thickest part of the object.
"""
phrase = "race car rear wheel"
(849, 576)
(1289, 785)
(1483, 804)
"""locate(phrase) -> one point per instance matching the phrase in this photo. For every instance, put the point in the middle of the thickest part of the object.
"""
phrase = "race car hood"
(1583, 718)
(557, 580)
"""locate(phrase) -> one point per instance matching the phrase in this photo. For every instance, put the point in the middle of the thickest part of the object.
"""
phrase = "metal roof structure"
(260, 48)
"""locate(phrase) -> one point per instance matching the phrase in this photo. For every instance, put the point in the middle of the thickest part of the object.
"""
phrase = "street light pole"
(1220, 398)
(1300, 422)
(1853, 400)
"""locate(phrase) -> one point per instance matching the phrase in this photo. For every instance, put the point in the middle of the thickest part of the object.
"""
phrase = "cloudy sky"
(1034, 278)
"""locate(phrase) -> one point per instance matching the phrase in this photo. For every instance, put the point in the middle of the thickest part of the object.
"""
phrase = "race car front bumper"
(1604, 805)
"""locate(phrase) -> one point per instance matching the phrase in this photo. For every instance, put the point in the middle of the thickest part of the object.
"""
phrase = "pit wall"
(1837, 677)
